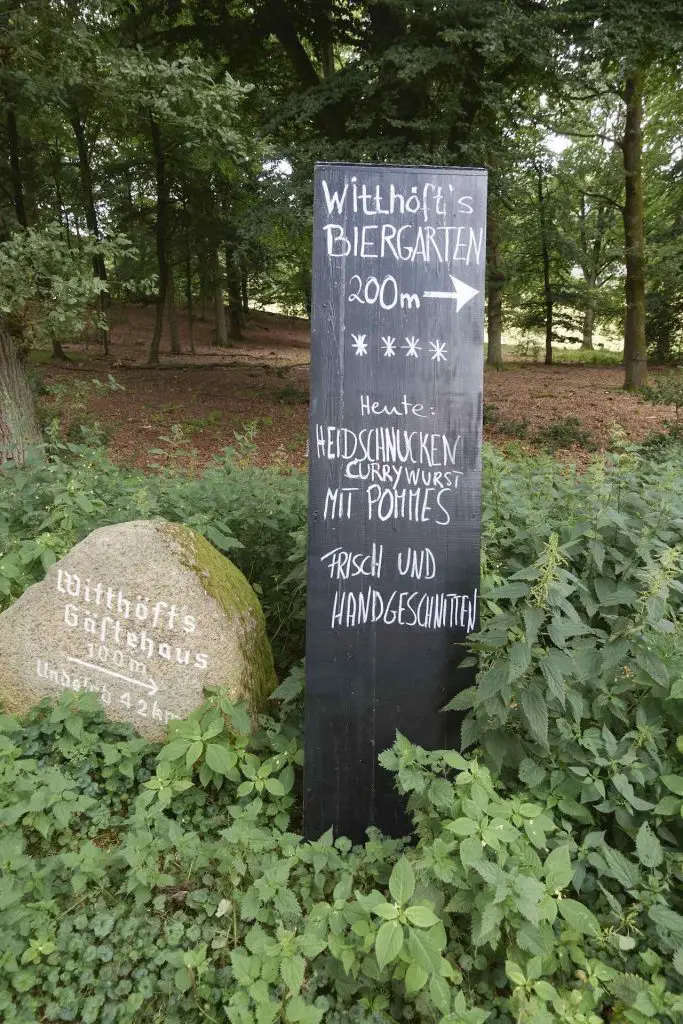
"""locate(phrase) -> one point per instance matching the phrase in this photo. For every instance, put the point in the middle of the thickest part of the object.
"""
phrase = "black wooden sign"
(395, 448)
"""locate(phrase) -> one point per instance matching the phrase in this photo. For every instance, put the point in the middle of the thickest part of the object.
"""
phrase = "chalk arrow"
(462, 294)
(149, 684)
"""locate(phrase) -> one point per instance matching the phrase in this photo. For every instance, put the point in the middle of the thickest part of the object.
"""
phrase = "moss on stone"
(224, 582)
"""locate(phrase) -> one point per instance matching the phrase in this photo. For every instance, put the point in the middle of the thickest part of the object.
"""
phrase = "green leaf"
(415, 979)
(388, 911)
(536, 939)
(611, 593)
(562, 629)
(421, 917)
(510, 590)
(499, 830)
(292, 970)
(388, 942)
(558, 869)
(194, 752)
(545, 991)
(491, 681)
(220, 540)
(528, 810)
(424, 950)
(530, 773)
(462, 827)
(653, 666)
(515, 973)
(674, 783)
(455, 760)
(239, 719)
(274, 787)
(471, 852)
(220, 759)
(597, 550)
(519, 659)
(667, 806)
(533, 620)
(536, 713)
(183, 979)
(578, 917)
(174, 750)
(621, 868)
(462, 701)
(667, 919)
(440, 993)
(678, 961)
(213, 728)
(298, 1011)
(402, 881)
(556, 666)
(648, 847)
(625, 788)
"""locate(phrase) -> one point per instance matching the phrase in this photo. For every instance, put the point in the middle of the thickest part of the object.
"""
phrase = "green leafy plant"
(47, 288)
(490, 413)
(666, 389)
(564, 433)
(251, 515)
(513, 428)
(541, 881)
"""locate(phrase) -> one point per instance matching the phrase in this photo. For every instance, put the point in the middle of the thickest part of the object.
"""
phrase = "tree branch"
(605, 199)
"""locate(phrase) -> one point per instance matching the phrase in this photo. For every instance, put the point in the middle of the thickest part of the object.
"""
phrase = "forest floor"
(193, 405)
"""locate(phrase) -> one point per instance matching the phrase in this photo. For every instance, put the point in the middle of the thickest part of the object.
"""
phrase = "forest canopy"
(164, 153)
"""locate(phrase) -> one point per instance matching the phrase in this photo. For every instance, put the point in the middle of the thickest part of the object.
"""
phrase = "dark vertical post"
(395, 446)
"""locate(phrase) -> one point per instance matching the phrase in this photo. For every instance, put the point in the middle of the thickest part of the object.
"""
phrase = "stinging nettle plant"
(541, 882)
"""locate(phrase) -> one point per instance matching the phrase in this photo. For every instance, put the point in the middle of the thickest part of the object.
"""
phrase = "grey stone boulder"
(146, 614)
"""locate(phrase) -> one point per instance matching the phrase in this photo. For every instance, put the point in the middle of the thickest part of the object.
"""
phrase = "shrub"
(490, 413)
(513, 428)
(666, 389)
(541, 883)
(563, 434)
(252, 515)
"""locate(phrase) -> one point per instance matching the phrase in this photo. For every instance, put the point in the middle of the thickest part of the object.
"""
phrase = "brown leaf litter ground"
(197, 403)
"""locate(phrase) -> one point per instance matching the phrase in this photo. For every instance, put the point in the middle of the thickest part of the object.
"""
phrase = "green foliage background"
(542, 882)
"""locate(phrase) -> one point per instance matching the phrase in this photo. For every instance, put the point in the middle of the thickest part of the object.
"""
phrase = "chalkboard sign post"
(395, 448)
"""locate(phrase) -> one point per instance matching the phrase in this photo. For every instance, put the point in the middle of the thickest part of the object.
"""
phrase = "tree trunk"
(245, 295)
(85, 173)
(496, 285)
(588, 318)
(58, 352)
(635, 351)
(221, 336)
(77, 225)
(172, 311)
(61, 209)
(545, 253)
(15, 168)
(161, 235)
(205, 295)
(19, 429)
(234, 283)
(206, 289)
(188, 290)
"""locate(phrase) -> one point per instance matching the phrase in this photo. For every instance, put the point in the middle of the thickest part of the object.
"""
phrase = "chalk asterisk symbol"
(412, 346)
(389, 344)
(438, 351)
(360, 344)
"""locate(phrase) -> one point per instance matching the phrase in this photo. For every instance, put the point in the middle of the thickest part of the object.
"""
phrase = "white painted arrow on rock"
(462, 294)
(149, 684)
